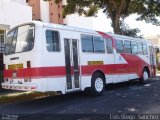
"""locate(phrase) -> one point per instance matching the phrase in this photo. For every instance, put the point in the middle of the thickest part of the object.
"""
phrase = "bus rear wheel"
(97, 84)
(145, 76)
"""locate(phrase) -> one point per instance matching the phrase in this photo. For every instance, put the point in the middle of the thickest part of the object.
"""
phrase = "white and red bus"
(48, 57)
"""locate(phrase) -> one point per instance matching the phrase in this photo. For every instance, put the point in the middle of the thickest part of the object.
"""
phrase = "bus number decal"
(95, 63)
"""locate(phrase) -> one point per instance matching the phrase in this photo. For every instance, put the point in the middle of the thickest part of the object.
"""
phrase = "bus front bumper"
(23, 87)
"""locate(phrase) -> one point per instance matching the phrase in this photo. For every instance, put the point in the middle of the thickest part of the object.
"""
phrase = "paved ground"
(5, 92)
(123, 98)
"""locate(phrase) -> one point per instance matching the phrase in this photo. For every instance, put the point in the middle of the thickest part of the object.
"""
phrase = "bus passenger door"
(152, 60)
(72, 64)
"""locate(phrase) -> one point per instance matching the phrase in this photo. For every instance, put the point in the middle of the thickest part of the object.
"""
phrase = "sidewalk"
(5, 92)
(12, 96)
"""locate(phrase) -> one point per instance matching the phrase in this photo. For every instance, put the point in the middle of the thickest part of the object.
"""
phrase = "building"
(12, 12)
(49, 11)
(46, 11)
(154, 39)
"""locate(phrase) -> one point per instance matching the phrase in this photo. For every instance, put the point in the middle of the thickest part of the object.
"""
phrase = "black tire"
(145, 76)
(97, 84)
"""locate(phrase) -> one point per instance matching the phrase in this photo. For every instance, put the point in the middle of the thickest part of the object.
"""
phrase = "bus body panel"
(48, 71)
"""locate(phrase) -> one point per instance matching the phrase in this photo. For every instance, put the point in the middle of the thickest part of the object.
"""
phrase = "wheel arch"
(101, 72)
(148, 70)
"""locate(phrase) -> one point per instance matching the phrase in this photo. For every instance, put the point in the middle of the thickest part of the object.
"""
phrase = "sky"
(147, 29)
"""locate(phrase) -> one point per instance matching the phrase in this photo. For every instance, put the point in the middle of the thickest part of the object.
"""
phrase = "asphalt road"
(123, 98)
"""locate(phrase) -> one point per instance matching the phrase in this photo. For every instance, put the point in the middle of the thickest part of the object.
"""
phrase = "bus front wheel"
(97, 84)
(145, 76)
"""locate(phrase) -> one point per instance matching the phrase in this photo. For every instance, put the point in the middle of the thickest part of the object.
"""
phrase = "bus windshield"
(20, 39)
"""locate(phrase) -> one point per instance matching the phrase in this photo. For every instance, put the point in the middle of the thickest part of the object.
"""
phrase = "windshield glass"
(20, 39)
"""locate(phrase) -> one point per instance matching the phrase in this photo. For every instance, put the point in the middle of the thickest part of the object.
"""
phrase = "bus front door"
(72, 64)
(152, 60)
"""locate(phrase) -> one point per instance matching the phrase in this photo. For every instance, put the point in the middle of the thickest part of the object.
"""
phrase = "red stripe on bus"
(134, 65)
(36, 72)
(61, 71)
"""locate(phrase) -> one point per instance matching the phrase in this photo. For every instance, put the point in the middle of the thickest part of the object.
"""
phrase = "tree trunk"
(115, 15)
(116, 26)
(116, 23)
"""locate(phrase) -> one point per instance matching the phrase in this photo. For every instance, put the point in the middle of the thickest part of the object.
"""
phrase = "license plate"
(15, 66)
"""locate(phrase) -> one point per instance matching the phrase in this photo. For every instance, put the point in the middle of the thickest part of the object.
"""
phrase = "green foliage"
(147, 10)
(126, 30)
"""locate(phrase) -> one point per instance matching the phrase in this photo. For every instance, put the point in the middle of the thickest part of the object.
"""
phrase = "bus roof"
(71, 28)
(123, 37)
(66, 27)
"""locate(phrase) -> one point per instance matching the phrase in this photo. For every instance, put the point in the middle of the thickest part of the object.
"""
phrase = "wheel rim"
(99, 84)
(145, 75)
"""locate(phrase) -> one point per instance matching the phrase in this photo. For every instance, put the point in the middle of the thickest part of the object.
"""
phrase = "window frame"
(16, 29)
(2, 34)
(132, 47)
(109, 39)
(146, 48)
(141, 47)
(60, 48)
(93, 37)
(93, 46)
(82, 44)
(125, 47)
(122, 45)
(2, 40)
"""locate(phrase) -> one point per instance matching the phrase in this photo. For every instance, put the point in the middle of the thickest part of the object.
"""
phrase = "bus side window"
(87, 43)
(99, 44)
(140, 48)
(52, 40)
(134, 47)
(109, 46)
(119, 46)
(127, 46)
(145, 52)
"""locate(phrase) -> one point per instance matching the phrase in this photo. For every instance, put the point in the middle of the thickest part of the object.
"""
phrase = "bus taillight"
(28, 64)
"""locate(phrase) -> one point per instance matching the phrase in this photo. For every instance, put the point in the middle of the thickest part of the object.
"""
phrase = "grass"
(23, 96)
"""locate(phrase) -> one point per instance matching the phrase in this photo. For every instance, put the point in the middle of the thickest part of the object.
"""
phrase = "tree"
(116, 10)
(126, 30)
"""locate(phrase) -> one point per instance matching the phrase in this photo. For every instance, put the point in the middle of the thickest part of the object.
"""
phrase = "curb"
(21, 96)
